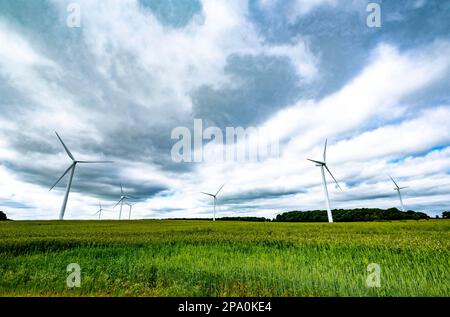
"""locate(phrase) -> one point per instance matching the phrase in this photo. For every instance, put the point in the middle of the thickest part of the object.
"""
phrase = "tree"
(348, 215)
(2, 216)
(446, 215)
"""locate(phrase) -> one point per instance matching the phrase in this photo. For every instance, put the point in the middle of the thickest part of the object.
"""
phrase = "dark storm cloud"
(175, 13)
(31, 143)
(257, 194)
(340, 36)
(10, 203)
(261, 85)
(363, 196)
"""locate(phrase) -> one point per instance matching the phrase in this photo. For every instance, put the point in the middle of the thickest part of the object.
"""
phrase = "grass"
(201, 258)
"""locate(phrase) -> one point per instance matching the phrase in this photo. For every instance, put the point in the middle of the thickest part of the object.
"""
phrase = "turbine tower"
(214, 196)
(123, 197)
(129, 213)
(323, 166)
(398, 189)
(71, 169)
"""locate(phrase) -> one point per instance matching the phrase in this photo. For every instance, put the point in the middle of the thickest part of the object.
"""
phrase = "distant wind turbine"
(123, 197)
(100, 210)
(214, 196)
(71, 169)
(129, 213)
(323, 166)
(398, 189)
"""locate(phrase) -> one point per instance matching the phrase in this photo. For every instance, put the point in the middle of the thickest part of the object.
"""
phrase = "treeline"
(253, 219)
(3, 216)
(339, 215)
(349, 215)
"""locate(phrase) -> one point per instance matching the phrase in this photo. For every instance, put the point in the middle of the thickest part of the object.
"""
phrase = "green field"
(202, 258)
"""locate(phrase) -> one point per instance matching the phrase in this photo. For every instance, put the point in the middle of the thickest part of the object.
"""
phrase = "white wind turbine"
(100, 210)
(131, 207)
(323, 166)
(123, 197)
(398, 189)
(214, 196)
(71, 169)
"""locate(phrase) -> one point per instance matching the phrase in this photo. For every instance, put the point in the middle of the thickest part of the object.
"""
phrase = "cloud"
(295, 9)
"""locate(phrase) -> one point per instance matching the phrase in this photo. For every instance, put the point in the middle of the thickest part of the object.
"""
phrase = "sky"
(301, 71)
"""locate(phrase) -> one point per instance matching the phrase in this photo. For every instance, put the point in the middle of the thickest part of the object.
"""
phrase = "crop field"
(202, 258)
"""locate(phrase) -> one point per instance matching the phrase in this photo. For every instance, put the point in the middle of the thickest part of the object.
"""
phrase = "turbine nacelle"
(397, 188)
(318, 163)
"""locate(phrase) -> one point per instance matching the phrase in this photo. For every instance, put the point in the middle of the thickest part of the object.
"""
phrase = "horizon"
(436, 216)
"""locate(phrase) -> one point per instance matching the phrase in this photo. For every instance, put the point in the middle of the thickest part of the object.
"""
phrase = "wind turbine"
(214, 196)
(129, 213)
(123, 197)
(100, 210)
(398, 189)
(323, 166)
(71, 169)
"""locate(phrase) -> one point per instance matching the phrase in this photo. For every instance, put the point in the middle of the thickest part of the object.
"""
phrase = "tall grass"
(200, 258)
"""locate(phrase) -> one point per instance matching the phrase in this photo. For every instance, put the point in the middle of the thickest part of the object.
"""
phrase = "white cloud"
(16, 52)
(375, 94)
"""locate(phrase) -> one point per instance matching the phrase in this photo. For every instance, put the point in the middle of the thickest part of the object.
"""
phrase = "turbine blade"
(317, 162)
(120, 200)
(396, 185)
(64, 174)
(65, 147)
(333, 178)
(208, 194)
(219, 190)
(403, 187)
(121, 188)
(94, 162)
(325, 151)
